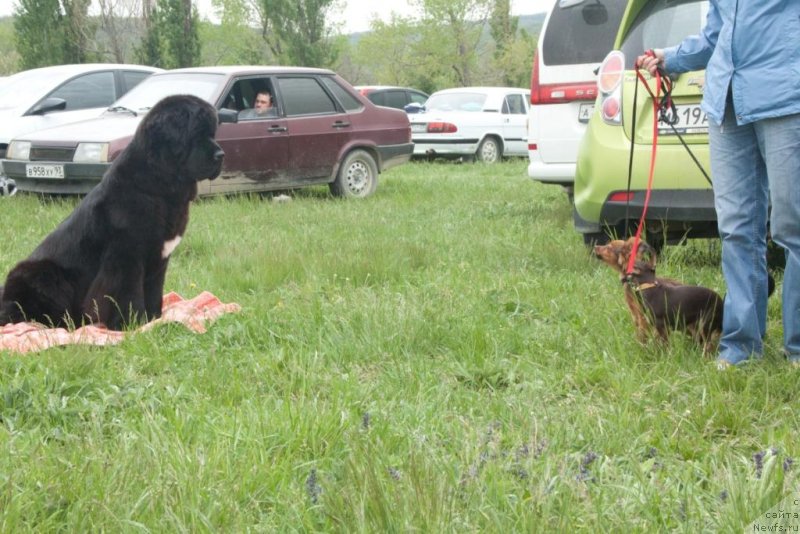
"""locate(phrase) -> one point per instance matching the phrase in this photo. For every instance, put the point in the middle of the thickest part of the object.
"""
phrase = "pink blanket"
(194, 313)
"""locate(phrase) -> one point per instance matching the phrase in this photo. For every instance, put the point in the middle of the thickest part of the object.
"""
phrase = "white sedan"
(487, 123)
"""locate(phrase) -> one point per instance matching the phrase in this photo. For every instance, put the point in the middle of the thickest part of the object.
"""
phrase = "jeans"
(753, 165)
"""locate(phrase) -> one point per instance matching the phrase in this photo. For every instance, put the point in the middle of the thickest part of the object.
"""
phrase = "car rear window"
(456, 102)
(663, 23)
(581, 32)
(348, 101)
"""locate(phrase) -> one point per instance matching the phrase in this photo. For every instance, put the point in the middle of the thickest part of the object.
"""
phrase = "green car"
(608, 202)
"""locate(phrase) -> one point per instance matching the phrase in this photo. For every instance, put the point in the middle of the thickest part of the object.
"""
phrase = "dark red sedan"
(318, 130)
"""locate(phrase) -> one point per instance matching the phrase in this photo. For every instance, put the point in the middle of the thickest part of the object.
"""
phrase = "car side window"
(377, 97)
(417, 98)
(395, 99)
(304, 96)
(348, 101)
(243, 93)
(93, 90)
(514, 105)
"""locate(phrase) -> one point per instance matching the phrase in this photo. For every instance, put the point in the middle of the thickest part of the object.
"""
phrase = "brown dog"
(663, 303)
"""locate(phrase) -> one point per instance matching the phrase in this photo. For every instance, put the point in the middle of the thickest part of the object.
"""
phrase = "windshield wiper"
(123, 108)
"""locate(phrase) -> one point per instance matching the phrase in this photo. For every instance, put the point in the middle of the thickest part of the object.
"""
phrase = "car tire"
(8, 187)
(490, 150)
(357, 176)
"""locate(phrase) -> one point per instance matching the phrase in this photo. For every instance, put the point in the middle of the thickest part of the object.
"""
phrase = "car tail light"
(610, 109)
(609, 83)
(442, 127)
(533, 147)
(609, 77)
(559, 93)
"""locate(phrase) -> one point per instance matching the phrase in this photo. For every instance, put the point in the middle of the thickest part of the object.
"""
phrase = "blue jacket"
(751, 45)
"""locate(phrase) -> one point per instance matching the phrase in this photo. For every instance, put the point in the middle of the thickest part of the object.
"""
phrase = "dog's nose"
(219, 154)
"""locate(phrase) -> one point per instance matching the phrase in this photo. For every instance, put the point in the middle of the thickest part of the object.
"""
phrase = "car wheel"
(489, 150)
(7, 187)
(357, 176)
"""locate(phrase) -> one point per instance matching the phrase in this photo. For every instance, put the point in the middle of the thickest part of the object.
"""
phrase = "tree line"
(445, 43)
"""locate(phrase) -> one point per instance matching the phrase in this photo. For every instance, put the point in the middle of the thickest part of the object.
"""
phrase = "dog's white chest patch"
(169, 246)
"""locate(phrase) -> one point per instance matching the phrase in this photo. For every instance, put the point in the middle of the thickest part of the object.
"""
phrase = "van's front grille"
(51, 154)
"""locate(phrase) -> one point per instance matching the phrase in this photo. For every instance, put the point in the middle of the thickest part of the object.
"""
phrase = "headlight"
(19, 150)
(91, 153)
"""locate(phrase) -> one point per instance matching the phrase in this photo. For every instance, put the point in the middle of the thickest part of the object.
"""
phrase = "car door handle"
(277, 129)
(341, 124)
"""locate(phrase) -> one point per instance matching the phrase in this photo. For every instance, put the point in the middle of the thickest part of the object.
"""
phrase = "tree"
(8, 52)
(149, 50)
(121, 23)
(450, 37)
(171, 36)
(52, 32)
(296, 31)
(387, 56)
(78, 30)
(178, 22)
(502, 26)
(235, 40)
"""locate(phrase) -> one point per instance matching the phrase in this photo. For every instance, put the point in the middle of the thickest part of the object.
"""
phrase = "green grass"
(444, 356)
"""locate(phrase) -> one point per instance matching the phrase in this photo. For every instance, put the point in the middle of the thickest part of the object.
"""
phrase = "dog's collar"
(637, 287)
(645, 286)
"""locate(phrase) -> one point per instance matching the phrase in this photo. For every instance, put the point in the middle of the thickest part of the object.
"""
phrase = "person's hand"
(651, 60)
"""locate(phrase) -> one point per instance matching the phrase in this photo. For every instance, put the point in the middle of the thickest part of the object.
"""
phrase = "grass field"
(444, 356)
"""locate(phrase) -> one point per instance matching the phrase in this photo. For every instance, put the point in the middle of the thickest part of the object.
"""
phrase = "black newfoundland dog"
(107, 261)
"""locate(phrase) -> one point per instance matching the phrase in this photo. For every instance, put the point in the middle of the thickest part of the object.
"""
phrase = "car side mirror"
(228, 115)
(49, 104)
(594, 14)
(413, 107)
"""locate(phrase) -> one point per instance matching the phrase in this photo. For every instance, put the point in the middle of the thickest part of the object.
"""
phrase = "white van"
(576, 36)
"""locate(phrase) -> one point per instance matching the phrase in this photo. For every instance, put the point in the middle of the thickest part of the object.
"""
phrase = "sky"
(356, 14)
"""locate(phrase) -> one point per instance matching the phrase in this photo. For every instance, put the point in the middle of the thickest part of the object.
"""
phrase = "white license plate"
(585, 112)
(417, 128)
(44, 171)
(687, 120)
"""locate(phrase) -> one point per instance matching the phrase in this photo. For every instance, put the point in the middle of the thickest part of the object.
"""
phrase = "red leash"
(662, 81)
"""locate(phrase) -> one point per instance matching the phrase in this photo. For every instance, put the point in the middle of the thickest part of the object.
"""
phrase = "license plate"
(44, 171)
(585, 112)
(688, 119)
(417, 128)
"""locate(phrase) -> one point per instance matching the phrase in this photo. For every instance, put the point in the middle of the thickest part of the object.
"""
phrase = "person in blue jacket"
(751, 53)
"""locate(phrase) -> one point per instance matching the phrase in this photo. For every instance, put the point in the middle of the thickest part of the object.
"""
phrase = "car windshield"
(663, 23)
(456, 102)
(145, 95)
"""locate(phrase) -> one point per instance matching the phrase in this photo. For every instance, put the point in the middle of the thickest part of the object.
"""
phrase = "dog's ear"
(626, 247)
(647, 253)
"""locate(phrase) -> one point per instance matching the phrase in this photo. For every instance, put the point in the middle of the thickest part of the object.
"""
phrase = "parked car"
(486, 123)
(575, 37)
(391, 96)
(50, 96)
(681, 203)
(321, 132)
